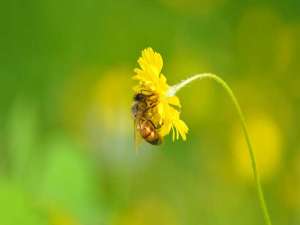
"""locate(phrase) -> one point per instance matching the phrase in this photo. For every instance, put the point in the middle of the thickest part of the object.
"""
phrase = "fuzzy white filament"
(173, 89)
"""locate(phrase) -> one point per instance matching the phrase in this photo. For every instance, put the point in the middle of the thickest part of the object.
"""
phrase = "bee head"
(139, 97)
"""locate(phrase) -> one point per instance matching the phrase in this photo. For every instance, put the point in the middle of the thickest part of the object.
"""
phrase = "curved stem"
(260, 193)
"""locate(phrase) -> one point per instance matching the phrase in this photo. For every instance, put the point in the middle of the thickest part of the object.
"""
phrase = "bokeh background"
(66, 146)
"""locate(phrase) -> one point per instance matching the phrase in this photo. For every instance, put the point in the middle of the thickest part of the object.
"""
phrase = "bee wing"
(137, 137)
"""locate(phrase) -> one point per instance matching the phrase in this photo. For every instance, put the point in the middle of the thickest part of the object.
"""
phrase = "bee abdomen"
(153, 138)
(148, 132)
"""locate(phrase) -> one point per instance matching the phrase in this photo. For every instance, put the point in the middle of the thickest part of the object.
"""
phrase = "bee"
(142, 122)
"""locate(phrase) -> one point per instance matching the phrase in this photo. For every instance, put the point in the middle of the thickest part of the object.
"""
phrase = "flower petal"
(174, 100)
(182, 128)
(151, 62)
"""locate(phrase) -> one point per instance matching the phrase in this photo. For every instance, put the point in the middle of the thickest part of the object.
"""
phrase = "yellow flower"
(165, 115)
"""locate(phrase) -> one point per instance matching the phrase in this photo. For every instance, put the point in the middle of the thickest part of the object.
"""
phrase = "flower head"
(165, 114)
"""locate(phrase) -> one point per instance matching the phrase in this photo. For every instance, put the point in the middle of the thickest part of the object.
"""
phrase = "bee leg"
(156, 127)
(141, 123)
(159, 126)
(151, 107)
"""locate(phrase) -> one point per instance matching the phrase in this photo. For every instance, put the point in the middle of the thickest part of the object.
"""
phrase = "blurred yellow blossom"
(108, 120)
(266, 139)
(61, 217)
(147, 212)
(111, 101)
(165, 114)
(290, 188)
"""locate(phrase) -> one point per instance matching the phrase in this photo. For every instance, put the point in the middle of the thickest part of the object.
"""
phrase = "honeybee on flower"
(156, 110)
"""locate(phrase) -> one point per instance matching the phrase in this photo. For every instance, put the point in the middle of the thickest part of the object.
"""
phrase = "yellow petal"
(174, 100)
(165, 129)
(173, 134)
(182, 129)
(151, 62)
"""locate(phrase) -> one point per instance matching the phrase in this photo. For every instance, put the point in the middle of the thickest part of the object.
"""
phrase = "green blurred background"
(66, 148)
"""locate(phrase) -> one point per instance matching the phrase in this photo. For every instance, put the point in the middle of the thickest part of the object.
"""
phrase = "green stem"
(260, 193)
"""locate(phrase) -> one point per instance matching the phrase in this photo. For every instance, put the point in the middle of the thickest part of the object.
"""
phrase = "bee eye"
(139, 97)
